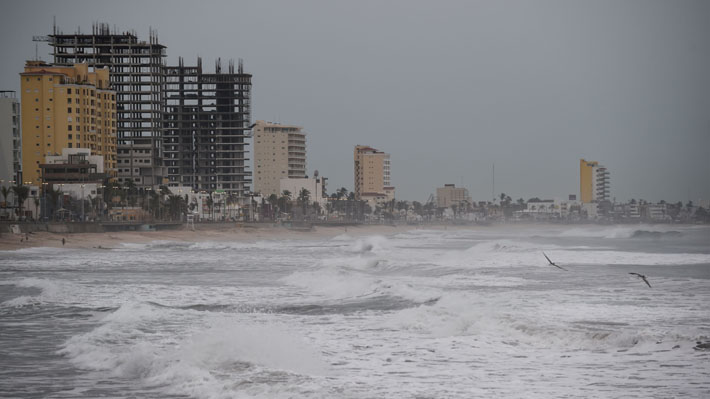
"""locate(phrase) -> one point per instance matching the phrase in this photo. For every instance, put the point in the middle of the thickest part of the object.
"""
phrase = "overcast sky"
(448, 88)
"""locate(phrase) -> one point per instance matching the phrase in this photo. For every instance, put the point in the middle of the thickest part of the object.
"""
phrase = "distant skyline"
(448, 88)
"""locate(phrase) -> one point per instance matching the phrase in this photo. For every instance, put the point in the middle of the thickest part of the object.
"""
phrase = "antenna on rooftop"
(493, 187)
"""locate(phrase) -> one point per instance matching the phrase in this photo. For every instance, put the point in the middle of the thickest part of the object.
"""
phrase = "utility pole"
(493, 187)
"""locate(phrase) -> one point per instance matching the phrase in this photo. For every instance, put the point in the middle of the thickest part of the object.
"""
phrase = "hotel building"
(593, 182)
(372, 175)
(66, 107)
(279, 152)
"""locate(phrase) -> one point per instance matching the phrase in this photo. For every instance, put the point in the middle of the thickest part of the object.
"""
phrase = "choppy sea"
(421, 314)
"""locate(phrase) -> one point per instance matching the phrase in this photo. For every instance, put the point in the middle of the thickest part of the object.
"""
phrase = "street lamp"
(83, 218)
(44, 200)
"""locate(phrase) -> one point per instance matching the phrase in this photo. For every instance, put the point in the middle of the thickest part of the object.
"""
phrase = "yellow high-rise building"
(593, 181)
(66, 107)
(372, 174)
(279, 153)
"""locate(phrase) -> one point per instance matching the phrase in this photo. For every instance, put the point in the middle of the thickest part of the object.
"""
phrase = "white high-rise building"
(10, 139)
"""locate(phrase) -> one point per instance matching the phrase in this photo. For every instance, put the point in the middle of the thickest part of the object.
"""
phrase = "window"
(68, 91)
(69, 110)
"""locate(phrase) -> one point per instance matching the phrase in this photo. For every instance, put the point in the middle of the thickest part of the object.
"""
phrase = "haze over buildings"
(531, 86)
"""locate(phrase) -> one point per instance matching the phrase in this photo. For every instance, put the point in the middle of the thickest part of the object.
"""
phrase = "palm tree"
(5, 192)
(417, 208)
(36, 202)
(303, 196)
(403, 206)
(274, 201)
(284, 201)
(210, 204)
(176, 206)
(21, 194)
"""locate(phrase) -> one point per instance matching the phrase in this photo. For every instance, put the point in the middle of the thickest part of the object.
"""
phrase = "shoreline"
(231, 232)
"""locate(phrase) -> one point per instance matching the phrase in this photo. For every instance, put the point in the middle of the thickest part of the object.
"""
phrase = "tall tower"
(279, 152)
(66, 107)
(136, 73)
(593, 181)
(10, 139)
(207, 117)
(372, 174)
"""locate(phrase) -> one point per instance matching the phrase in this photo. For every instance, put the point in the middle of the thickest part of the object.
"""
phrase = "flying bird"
(553, 263)
(642, 277)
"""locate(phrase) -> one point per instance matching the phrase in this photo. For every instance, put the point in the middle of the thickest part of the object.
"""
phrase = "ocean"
(426, 313)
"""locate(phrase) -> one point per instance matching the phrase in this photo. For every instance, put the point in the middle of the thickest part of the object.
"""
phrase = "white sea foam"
(422, 314)
(206, 362)
(333, 283)
(49, 291)
(612, 232)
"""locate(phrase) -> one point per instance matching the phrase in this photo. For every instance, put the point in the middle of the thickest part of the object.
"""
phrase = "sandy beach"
(230, 232)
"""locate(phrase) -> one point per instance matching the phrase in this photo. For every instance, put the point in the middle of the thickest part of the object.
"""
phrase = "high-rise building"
(451, 195)
(372, 174)
(10, 139)
(207, 118)
(279, 152)
(136, 73)
(66, 107)
(593, 182)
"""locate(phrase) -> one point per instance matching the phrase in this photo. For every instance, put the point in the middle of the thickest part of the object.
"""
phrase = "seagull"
(553, 263)
(642, 277)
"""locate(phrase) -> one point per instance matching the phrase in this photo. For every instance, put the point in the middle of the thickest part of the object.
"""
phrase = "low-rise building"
(452, 195)
(313, 185)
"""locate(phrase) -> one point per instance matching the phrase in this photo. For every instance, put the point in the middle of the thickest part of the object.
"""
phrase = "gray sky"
(448, 88)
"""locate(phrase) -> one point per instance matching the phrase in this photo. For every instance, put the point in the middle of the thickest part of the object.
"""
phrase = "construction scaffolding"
(207, 118)
(136, 73)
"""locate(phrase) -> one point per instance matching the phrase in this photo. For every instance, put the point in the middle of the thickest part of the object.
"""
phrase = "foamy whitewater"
(422, 314)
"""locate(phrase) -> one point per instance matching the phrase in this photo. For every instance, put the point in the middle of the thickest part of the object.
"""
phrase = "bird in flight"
(642, 277)
(553, 263)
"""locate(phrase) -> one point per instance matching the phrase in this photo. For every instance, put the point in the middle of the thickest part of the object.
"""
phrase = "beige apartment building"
(66, 107)
(372, 175)
(593, 182)
(451, 195)
(279, 152)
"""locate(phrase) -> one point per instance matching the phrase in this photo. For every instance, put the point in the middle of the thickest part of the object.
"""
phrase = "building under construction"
(207, 118)
(136, 73)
